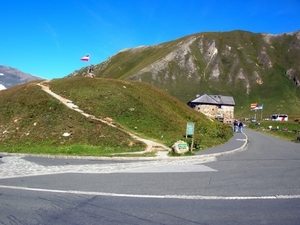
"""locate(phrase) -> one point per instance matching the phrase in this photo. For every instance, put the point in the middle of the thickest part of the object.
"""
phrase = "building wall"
(212, 111)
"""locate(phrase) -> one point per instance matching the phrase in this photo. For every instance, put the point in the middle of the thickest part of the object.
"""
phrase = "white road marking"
(187, 197)
(171, 169)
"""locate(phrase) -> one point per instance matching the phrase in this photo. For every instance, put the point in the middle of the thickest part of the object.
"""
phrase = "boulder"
(180, 147)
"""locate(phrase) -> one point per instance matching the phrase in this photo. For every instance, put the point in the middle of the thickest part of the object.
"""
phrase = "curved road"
(256, 185)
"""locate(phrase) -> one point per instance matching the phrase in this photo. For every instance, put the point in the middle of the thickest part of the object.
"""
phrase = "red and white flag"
(254, 105)
(85, 58)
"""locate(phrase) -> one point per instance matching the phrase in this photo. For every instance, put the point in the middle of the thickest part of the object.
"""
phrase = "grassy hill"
(33, 121)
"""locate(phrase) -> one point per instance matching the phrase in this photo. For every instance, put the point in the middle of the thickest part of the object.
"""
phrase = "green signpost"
(190, 128)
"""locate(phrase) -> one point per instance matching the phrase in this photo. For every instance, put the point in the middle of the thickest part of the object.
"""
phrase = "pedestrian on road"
(241, 127)
(235, 126)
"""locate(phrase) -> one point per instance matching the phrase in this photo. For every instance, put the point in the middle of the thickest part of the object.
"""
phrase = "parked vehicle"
(279, 117)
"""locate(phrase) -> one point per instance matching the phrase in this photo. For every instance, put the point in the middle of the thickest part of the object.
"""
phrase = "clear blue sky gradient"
(47, 38)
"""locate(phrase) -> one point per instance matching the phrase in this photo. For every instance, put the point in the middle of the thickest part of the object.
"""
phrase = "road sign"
(190, 127)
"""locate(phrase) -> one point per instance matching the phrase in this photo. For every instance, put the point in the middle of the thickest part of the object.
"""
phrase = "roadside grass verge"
(69, 150)
(288, 130)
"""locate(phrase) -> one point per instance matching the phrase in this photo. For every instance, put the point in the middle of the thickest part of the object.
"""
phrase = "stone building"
(215, 106)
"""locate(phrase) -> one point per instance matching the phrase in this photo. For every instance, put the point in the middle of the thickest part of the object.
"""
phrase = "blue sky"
(47, 38)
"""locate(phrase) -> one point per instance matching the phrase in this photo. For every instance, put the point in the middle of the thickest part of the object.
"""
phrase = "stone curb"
(243, 147)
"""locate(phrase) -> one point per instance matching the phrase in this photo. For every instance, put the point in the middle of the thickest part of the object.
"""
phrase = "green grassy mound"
(32, 121)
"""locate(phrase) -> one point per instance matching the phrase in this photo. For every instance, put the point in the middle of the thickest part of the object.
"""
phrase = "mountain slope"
(250, 67)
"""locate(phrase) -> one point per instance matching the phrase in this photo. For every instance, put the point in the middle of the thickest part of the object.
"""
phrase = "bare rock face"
(291, 74)
(296, 81)
(264, 59)
(181, 55)
(238, 61)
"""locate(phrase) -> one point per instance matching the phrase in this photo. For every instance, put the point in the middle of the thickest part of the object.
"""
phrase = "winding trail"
(151, 146)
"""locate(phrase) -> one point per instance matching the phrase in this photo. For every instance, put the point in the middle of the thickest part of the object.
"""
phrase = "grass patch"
(174, 154)
(71, 150)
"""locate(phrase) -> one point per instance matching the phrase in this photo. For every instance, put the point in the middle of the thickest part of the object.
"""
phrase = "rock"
(66, 134)
(108, 119)
(180, 147)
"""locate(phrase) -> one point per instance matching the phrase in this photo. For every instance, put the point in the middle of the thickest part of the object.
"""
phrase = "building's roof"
(214, 99)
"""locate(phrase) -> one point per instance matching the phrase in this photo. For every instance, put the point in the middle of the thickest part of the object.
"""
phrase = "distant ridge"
(10, 77)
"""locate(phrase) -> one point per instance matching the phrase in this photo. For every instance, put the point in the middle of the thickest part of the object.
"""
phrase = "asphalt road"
(256, 185)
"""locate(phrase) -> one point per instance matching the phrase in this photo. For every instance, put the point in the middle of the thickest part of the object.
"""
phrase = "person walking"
(235, 126)
(241, 127)
(91, 69)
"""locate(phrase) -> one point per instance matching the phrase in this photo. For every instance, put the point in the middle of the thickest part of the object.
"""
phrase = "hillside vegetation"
(251, 67)
(33, 121)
